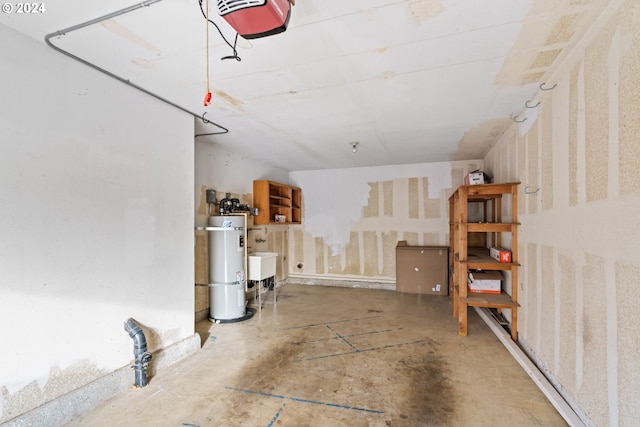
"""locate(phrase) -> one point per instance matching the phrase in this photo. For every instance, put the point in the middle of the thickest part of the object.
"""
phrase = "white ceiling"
(411, 81)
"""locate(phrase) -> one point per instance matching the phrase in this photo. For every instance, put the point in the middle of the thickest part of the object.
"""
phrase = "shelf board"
(271, 196)
(491, 227)
(489, 300)
(489, 190)
(478, 258)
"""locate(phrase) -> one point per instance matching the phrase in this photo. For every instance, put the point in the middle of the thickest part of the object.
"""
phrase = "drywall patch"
(431, 239)
(387, 198)
(411, 238)
(352, 256)
(413, 198)
(597, 117)
(477, 141)
(143, 63)
(626, 278)
(201, 295)
(388, 75)
(563, 31)
(236, 103)
(457, 177)
(372, 209)
(527, 118)
(573, 135)
(387, 262)
(431, 206)
(370, 243)
(298, 249)
(334, 198)
(533, 170)
(201, 259)
(421, 11)
(320, 256)
(546, 178)
(202, 205)
(545, 58)
(532, 302)
(568, 350)
(120, 30)
(593, 392)
(629, 93)
(547, 301)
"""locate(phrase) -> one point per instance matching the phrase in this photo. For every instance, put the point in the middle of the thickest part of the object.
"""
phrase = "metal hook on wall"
(526, 104)
(207, 121)
(547, 88)
(526, 190)
(515, 119)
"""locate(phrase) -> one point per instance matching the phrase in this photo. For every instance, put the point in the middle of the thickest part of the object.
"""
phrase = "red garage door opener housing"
(253, 19)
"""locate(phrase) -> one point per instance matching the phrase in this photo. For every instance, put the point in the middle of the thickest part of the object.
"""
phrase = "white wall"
(579, 239)
(96, 223)
(224, 172)
(353, 218)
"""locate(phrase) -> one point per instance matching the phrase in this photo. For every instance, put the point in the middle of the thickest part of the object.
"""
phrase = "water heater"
(226, 267)
(256, 18)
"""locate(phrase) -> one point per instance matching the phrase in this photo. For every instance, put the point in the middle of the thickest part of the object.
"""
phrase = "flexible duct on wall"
(142, 356)
(47, 40)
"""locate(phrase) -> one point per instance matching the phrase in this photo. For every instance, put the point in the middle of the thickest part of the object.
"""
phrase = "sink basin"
(262, 265)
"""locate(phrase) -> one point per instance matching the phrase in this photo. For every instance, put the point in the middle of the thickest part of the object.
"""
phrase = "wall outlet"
(211, 196)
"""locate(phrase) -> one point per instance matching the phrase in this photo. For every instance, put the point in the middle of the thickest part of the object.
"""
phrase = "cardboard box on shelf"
(477, 177)
(474, 178)
(500, 254)
(485, 282)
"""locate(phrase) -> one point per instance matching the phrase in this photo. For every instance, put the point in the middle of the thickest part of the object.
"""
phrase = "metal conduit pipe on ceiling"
(48, 37)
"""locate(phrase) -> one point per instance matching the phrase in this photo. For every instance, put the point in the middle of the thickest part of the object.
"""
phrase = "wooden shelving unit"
(272, 198)
(464, 257)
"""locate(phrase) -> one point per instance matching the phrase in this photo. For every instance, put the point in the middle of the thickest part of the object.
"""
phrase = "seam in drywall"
(571, 56)
(581, 137)
(613, 60)
(612, 340)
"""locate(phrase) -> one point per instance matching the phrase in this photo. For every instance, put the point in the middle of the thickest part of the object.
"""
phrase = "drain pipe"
(142, 356)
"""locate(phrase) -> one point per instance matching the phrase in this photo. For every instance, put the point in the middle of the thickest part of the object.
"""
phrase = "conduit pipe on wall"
(47, 40)
(142, 356)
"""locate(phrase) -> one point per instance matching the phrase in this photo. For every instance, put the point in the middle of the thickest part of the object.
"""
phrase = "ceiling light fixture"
(354, 146)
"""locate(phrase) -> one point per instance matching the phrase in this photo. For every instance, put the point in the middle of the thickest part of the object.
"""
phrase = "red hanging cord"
(207, 97)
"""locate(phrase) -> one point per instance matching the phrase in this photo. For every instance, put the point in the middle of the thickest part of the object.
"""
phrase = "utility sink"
(262, 265)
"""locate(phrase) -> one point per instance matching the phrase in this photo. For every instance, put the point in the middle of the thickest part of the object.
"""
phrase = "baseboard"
(73, 404)
(564, 408)
(341, 282)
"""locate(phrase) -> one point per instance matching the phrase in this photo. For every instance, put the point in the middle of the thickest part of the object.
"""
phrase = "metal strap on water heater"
(220, 228)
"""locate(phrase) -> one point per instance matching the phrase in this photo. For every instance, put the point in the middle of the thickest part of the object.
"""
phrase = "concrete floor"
(325, 356)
